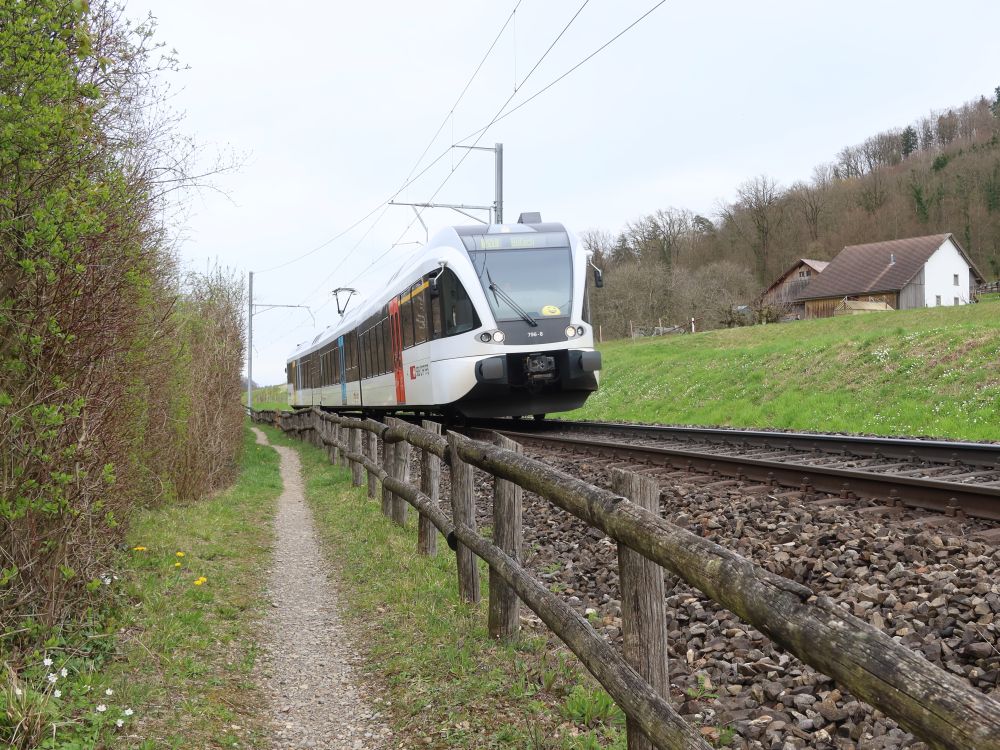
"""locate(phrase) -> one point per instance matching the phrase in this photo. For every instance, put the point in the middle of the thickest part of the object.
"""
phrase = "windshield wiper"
(498, 292)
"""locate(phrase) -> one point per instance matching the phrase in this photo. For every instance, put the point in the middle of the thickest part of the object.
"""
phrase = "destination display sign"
(515, 241)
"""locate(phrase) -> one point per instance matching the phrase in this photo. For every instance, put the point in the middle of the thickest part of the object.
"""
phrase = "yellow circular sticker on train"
(550, 310)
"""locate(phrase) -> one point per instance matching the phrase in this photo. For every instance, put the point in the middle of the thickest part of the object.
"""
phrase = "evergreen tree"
(909, 140)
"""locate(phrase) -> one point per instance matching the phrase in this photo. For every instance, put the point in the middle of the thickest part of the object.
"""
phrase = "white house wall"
(939, 277)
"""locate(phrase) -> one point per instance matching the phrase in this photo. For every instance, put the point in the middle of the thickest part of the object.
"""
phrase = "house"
(915, 272)
(785, 290)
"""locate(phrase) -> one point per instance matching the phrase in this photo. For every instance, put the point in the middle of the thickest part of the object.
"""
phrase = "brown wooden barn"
(787, 288)
(905, 274)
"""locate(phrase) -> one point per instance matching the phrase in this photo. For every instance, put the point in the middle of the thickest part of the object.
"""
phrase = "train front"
(534, 278)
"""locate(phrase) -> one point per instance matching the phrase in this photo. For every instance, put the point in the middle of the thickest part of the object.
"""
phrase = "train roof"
(448, 237)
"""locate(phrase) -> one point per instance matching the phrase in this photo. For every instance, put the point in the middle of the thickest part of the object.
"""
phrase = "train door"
(396, 338)
(343, 375)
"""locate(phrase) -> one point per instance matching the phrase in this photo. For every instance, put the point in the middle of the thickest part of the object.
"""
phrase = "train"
(481, 322)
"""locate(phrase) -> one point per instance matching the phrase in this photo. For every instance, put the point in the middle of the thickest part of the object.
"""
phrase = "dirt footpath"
(308, 668)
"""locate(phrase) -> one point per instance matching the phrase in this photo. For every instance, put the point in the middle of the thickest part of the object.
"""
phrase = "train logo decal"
(550, 310)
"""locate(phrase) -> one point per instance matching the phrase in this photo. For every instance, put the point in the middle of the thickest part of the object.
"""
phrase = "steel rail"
(931, 494)
(936, 451)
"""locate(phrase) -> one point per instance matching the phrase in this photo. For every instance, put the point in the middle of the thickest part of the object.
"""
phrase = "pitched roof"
(877, 267)
(816, 265)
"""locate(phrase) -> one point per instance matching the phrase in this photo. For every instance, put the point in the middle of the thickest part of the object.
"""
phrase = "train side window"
(436, 325)
(419, 313)
(361, 356)
(369, 366)
(379, 348)
(406, 320)
(387, 344)
(459, 314)
(352, 347)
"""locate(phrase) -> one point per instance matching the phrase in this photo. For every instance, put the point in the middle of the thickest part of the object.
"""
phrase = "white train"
(483, 321)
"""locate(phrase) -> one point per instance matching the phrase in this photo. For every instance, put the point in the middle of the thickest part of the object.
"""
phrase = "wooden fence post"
(371, 440)
(357, 475)
(463, 513)
(430, 485)
(644, 609)
(401, 471)
(504, 610)
(341, 443)
(388, 449)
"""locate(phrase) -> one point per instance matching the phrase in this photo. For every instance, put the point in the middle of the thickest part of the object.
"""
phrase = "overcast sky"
(331, 105)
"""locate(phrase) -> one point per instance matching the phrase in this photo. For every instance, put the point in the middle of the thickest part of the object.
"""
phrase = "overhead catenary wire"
(482, 132)
(451, 173)
(552, 83)
(478, 134)
(409, 179)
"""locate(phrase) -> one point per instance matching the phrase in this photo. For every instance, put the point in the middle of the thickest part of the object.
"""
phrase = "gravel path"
(308, 668)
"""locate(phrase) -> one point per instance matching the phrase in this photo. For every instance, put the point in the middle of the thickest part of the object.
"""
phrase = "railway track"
(951, 477)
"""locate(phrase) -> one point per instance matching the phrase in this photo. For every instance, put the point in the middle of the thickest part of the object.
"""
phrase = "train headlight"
(485, 338)
(498, 337)
(579, 330)
(570, 331)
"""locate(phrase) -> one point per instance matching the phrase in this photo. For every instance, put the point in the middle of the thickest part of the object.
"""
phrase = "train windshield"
(526, 284)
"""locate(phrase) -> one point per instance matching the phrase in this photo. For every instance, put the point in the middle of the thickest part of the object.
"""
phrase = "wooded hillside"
(938, 174)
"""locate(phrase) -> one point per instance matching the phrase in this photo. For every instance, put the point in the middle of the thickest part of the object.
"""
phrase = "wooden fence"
(939, 708)
(992, 286)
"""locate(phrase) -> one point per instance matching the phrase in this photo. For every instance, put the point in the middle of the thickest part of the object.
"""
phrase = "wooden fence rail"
(936, 706)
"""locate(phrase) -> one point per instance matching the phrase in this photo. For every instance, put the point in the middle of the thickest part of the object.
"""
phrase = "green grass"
(189, 650)
(929, 372)
(448, 685)
(269, 397)
(169, 659)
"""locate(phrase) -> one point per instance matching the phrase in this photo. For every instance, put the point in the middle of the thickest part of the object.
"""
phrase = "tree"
(909, 140)
(757, 215)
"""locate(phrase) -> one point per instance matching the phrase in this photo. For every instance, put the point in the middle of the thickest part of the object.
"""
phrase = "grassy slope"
(917, 372)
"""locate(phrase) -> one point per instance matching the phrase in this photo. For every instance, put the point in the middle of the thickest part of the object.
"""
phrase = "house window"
(956, 301)
(955, 277)
(804, 274)
(937, 300)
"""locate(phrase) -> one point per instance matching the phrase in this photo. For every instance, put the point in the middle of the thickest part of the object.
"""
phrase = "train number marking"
(535, 334)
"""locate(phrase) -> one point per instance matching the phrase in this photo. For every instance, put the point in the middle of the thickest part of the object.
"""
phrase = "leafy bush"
(97, 340)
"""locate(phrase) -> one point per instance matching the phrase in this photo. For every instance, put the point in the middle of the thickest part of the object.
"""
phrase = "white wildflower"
(47, 661)
(52, 677)
(128, 712)
(120, 723)
(64, 672)
(101, 708)
(57, 693)
(109, 691)
(18, 692)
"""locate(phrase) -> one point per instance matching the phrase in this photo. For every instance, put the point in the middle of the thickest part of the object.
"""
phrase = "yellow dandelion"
(179, 554)
(177, 564)
(200, 581)
(140, 548)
